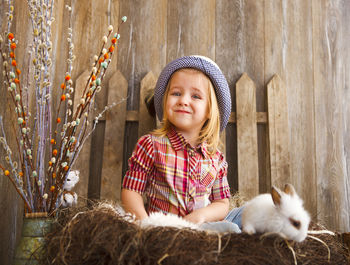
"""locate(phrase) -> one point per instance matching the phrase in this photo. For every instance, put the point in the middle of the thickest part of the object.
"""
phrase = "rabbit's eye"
(68, 179)
(295, 223)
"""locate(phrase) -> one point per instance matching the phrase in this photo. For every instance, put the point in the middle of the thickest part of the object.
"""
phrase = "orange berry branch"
(49, 141)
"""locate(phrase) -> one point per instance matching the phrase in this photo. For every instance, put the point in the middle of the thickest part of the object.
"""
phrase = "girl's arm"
(132, 202)
(216, 211)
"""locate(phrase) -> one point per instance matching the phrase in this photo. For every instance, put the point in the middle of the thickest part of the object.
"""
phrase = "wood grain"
(331, 79)
(247, 141)
(278, 132)
(143, 45)
(298, 70)
(114, 137)
(90, 20)
(239, 47)
(274, 63)
(345, 49)
(191, 28)
(83, 160)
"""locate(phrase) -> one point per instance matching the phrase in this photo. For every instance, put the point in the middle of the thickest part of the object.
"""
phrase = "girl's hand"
(195, 217)
(216, 211)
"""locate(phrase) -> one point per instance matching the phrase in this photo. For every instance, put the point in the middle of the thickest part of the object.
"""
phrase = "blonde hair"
(210, 132)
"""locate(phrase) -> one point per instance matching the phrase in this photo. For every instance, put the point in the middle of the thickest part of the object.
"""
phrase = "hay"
(100, 235)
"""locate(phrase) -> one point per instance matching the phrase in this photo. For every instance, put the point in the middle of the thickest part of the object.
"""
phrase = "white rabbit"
(69, 197)
(278, 212)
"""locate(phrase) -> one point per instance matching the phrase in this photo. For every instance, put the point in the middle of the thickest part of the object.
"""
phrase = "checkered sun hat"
(208, 67)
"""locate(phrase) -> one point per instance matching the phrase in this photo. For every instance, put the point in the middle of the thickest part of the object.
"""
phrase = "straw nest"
(100, 234)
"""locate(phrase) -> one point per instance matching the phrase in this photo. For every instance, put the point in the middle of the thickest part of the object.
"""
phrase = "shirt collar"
(179, 142)
(176, 139)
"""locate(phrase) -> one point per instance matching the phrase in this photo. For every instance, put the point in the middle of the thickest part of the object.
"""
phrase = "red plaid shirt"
(176, 177)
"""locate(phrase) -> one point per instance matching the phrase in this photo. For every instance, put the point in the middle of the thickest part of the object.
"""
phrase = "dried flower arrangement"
(48, 142)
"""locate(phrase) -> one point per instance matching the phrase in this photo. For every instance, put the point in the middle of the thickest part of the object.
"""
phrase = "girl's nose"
(183, 100)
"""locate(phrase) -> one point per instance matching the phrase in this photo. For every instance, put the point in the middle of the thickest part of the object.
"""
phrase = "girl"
(179, 167)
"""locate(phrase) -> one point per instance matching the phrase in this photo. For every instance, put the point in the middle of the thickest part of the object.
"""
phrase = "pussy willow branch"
(32, 152)
(21, 159)
(9, 21)
(20, 109)
(15, 181)
(19, 191)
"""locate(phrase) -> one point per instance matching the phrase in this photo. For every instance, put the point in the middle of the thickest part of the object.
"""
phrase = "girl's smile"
(183, 111)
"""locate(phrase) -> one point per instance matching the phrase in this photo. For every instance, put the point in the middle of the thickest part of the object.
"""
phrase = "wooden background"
(305, 42)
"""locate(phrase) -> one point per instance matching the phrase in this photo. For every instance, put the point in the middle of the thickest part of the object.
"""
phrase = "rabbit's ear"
(289, 189)
(276, 196)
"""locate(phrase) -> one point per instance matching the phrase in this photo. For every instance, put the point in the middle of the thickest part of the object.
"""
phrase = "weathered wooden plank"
(275, 51)
(298, 78)
(274, 63)
(11, 207)
(114, 138)
(231, 156)
(83, 160)
(89, 25)
(147, 123)
(239, 47)
(191, 28)
(278, 132)
(98, 143)
(331, 68)
(239, 25)
(254, 43)
(227, 60)
(143, 49)
(142, 43)
(229, 33)
(90, 20)
(345, 31)
(95, 163)
(248, 171)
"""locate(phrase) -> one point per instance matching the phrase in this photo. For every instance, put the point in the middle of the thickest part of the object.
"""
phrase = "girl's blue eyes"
(177, 94)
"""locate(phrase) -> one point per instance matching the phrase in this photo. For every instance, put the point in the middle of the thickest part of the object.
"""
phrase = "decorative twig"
(39, 180)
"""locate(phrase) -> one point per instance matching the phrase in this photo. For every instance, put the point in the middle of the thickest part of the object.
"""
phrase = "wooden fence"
(305, 42)
(107, 185)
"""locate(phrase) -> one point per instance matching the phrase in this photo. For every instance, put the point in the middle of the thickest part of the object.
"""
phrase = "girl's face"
(187, 103)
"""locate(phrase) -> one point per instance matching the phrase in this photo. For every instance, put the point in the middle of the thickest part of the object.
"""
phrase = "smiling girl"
(178, 166)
